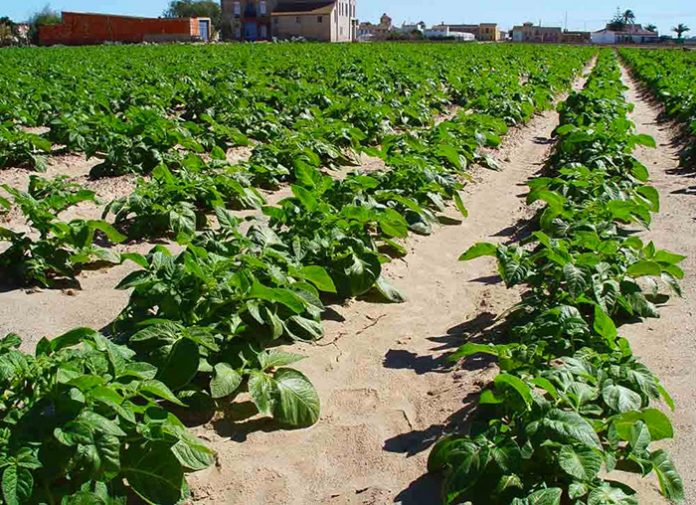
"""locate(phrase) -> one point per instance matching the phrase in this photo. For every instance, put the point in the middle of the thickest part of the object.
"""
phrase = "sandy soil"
(381, 372)
(667, 345)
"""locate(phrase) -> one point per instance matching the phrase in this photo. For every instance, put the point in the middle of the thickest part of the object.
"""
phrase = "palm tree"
(680, 29)
(628, 17)
(651, 28)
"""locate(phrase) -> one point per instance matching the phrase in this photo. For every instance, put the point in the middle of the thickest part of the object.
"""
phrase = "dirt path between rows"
(667, 345)
(387, 391)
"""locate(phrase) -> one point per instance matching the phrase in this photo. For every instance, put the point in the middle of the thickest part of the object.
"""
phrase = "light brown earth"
(668, 345)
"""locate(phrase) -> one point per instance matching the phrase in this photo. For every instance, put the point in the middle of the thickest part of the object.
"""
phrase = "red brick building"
(78, 29)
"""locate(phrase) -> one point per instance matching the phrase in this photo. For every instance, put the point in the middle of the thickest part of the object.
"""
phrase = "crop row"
(571, 403)
(670, 77)
(204, 324)
(185, 188)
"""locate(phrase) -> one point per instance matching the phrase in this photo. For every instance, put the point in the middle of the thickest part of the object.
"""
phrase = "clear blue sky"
(582, 14)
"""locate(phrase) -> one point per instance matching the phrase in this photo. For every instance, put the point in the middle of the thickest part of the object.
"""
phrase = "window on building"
(237, 9)
(262, 7)
(320, 19)
(298, 20)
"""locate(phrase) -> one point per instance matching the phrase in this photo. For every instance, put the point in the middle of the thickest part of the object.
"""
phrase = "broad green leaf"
(522, 389)
(193, 454)
(582, 463)
(657, 422)
(478, 250)
(296, 402)
(604, 325)
(17, 485)
(571, 427)
(621, 399)
(153, 472)
(181, 364)
(226, 380)
(274, 358)
(644, 268)
(319, 277)
(550, 496)
(671, 483)
(261, 391)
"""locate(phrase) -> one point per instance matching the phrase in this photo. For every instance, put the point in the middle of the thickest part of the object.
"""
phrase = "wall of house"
(605, 37)
(311, 27)
(84, 29)
(343, 14)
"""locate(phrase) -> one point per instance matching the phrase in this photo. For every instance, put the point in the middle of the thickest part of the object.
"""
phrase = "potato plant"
(571, 403)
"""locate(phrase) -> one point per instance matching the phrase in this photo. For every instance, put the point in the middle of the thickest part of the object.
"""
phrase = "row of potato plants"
(571, 403)
(670, 76)
(180, 193)
(203, 325)
(135, 110)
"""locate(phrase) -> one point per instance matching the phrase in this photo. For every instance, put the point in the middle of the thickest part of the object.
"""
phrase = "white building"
(444, 32)
(628, 34)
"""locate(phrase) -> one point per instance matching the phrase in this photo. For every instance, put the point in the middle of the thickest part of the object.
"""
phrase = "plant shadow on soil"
(484, 328)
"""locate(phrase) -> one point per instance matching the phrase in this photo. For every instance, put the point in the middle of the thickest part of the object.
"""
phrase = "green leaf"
(226, 380)
(317, 276)
(621, 399)
(388, 291)
(657, 422)
(608, 495)
(550, 496)
(181, 364)
(478, 250)
(193, 454)
(159, 390)
(644, 139)
(17, 485)
(516, 384)
(261, 391)
(604, 325)
(296, 402)
(644, 268)
(575, 279)
(278, 295)
(274, 358)
(571, 427)
(153, 472)
(114, 236)
(671, 483)
(460, 204)
(71, 338)
(582, 463)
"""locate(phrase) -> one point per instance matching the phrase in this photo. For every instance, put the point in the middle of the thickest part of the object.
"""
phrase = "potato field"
(347, 274)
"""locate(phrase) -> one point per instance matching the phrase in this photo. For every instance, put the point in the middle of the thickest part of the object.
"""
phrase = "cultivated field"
(266, 274)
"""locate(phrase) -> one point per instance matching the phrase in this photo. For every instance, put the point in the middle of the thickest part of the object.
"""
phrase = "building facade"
(628, 34)
(322, 20)
(368, 31)
(78, 28)
(483, 32)
(529, 32)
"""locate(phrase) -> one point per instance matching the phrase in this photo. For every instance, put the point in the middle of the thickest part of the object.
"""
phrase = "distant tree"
(45, 16)
(628, 17)
(651, 28)
(617, 23)
(7, 31)
(681, 29)
(196, 9)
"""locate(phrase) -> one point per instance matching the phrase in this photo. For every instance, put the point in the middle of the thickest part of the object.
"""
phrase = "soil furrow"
(667, 345)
